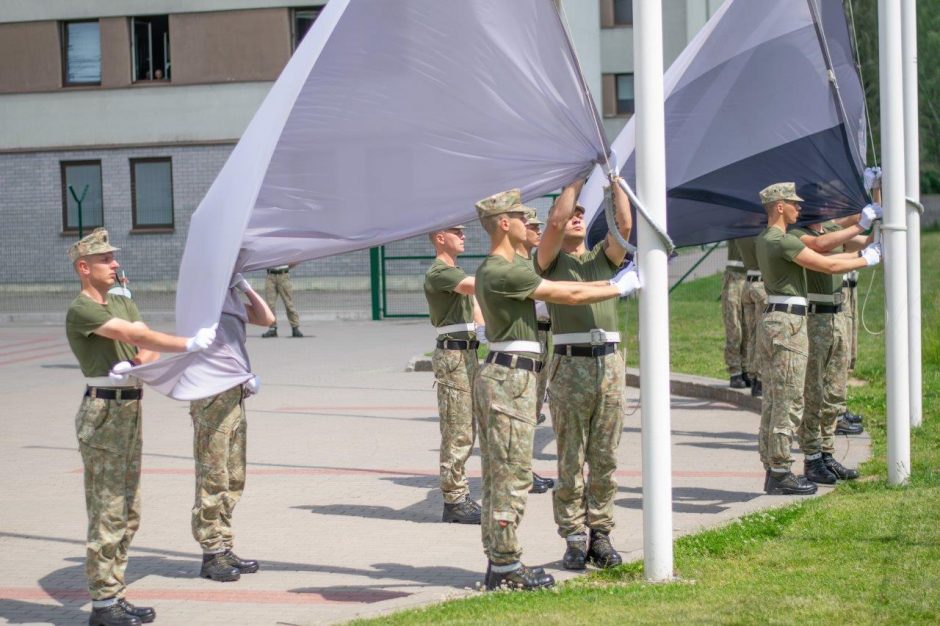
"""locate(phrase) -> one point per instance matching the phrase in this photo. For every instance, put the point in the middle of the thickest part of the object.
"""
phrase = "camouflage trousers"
(504, 402)
(586, 398)
(543, 375)
(827, 371)
(850, 311)
(453, 372)
(279, 285)
(783, 346)
(219, 434)
(109, 439)
(732, 288)
(753, 300)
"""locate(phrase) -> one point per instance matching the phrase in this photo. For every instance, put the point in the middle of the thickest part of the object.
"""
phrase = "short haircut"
(491, 223)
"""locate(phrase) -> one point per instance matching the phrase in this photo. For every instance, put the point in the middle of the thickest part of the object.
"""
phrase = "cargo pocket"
(98, 426)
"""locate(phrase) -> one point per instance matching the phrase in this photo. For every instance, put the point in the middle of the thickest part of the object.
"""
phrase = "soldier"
(732, 312)
(107, 337)
(587, 381)
(753, 301)
(277, 283)
(505, 387)
(827, 363)
(219, 443)
(782, 338)
(454, 313)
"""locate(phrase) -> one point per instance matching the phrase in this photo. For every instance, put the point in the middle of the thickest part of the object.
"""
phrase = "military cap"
(531, 217)
(457, 227)
(94, 243)
(502, 202)
(779, 191)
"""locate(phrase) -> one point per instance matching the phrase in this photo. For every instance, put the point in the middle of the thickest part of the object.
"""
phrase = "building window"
(623, 12)
(152, 193)
(625, 94)
(302, 20)
(81, 52)
(150, 47)
(81, 184)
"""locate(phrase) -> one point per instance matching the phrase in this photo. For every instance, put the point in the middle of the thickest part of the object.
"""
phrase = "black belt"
(545, 325)
(848, 282)
(513, 360)
(816, 307)
(755, 279)
(278, 271)
(795, 309)
(601, 350)
(110, 393)
(458, 344)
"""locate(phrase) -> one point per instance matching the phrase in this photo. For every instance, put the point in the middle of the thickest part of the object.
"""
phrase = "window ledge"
(155, 230)
(74, 233)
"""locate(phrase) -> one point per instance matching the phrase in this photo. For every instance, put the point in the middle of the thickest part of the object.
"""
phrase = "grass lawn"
(865, 554)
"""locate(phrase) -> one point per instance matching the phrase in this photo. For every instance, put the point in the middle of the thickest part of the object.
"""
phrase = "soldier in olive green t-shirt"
(753, 301)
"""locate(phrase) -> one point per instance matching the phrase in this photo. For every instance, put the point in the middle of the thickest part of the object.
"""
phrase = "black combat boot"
(576, 554)
(789, 484)
(601, 554)
(113, 615)
(217, 567)
(295, 331)
(464, 512)
(521, 578)
(757, 388)
(144, 613)
(540, 484)
(845, 427)
(244, 566)
(841, 471)
(271, 332)
(852, 418)
(737, 382)
(816, 471)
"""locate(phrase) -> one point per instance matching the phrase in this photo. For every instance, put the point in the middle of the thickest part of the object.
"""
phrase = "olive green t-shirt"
(503, 289)
(591, 266)
(775, 253)
(445, 305)
(96, 354)
(818, 282)
(746, 247)
(734, 254)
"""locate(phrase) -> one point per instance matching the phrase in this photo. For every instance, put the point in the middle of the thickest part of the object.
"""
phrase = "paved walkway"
(341, 506)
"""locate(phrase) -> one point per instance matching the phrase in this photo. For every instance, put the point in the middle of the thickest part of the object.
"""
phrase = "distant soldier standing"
(108, 338)
(277, 283)
(453, 310)
(783, 341)
(753, 301)
(505, 387)
(732, 312)
(220, 431)
(586, 378)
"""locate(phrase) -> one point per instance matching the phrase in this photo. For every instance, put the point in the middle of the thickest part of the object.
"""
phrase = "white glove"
(118, 373)
(253, 385)
(202, 339)
(626, 280)
(481, 334)
(870, 213)
(541, 309)
(239, 282)
(872, 254)
(872, 178)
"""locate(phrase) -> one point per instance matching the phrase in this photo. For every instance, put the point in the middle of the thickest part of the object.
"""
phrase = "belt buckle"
(93, 393)
(837, 299)
(598, 337)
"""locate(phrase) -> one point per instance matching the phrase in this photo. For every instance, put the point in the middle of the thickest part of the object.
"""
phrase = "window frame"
(151, 228)
(617, 24)
(63, 165)
(617, 76)
(293, 21)
(167, 68)
(609, 16)
(64, 45)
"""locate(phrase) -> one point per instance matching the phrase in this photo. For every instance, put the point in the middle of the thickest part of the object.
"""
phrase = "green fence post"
(375, 277)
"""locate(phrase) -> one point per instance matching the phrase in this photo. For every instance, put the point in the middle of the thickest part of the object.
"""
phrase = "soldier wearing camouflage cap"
(586, 383)
(108, 338)
(504, 389)
(782, 335)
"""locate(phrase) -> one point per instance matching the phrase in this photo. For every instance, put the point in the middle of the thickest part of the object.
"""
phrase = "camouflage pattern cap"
(94, 243)
(502, 202)
(457, 227)
(779, 191)
(532, 218)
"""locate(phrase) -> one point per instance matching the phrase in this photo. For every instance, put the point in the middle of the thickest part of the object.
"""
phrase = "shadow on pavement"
(695, 500)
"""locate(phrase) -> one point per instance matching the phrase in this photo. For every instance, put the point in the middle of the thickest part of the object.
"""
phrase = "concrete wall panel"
(30, 57)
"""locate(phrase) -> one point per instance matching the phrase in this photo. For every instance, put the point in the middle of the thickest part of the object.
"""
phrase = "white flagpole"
(895, 241)
(654, 296)
(912, 191)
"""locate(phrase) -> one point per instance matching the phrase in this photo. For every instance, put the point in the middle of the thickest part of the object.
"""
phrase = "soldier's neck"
(447, 258)
(90, 291)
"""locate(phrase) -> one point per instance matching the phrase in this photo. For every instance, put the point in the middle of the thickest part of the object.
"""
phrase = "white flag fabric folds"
(390, 120)
(751, 102)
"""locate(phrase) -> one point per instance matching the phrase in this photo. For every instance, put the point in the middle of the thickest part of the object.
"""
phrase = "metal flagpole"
(654, 296)
(895, 241)
(914, 208)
